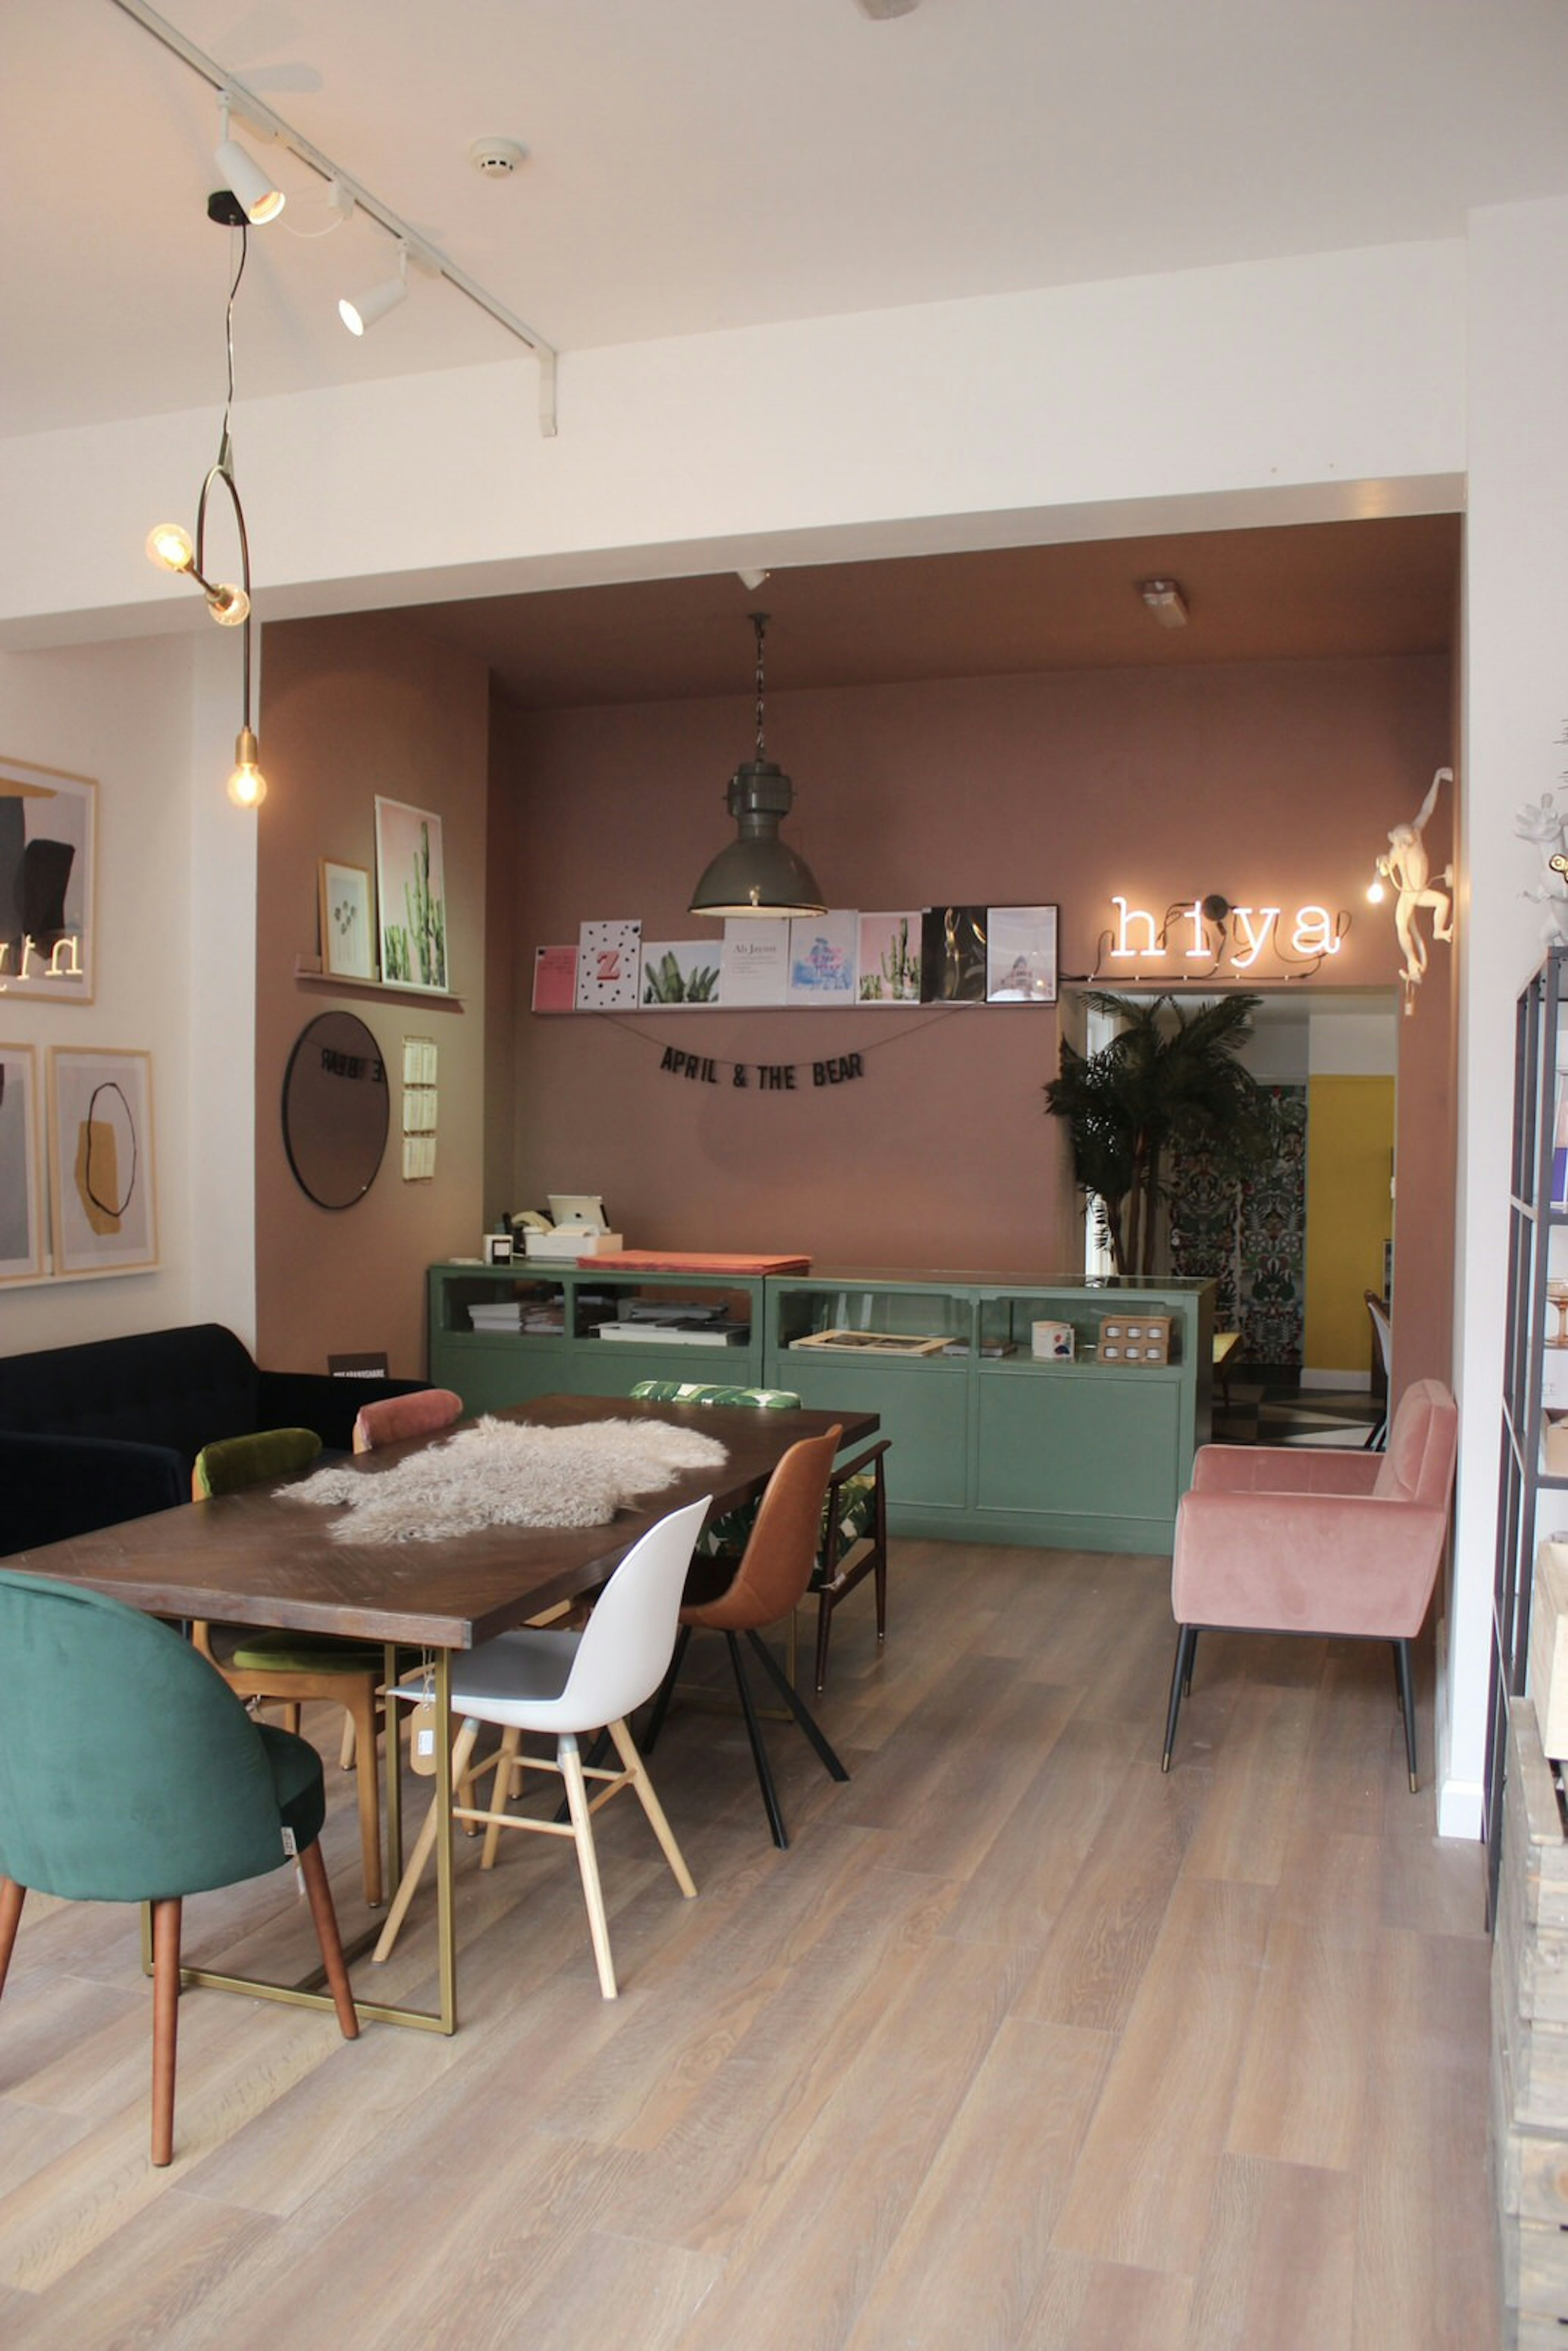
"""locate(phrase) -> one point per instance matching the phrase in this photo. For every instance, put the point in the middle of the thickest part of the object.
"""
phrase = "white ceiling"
(699, 164)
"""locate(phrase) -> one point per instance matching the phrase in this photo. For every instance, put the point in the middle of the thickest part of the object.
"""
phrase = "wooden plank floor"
(1020, 2045)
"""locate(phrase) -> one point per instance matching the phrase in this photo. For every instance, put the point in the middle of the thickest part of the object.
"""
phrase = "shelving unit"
(990, 1443)
(1535, 1372)
(494, 1367)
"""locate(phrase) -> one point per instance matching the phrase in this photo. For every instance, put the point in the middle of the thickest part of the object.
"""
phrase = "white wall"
(174, 923)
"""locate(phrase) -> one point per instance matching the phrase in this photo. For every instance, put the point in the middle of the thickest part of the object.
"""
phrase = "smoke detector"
(495, 159)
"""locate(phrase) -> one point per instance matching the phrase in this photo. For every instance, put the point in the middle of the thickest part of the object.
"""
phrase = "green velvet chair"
(293, 1669)
(852, 1540)
(196, 1794)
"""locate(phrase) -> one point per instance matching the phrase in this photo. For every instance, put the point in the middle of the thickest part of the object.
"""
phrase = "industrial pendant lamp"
(758, 874)
(172, 548)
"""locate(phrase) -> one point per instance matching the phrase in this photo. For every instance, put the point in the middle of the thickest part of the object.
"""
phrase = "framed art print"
(100, 1129)
(348, 935)
(410, 898)
(47, 878)
(888, 963)
(822, 959)
(21, 1196)
(1021, 955)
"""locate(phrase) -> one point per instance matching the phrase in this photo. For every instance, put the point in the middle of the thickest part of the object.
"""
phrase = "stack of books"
(499, 1315)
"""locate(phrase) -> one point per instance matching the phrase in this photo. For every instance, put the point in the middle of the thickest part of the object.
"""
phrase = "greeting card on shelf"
(822, 959)
(889, 959)
(609, 959)
(754, 962)
(680, 972)
(555, 980)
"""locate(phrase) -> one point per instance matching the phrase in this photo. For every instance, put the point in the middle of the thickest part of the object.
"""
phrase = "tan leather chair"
(774, 1572)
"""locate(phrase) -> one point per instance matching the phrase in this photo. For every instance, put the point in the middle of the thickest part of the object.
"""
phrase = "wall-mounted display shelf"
(308, 973)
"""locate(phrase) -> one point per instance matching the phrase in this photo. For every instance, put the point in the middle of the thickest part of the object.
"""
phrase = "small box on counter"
(1134, 1339)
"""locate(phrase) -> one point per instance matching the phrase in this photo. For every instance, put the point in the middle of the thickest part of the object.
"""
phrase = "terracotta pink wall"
(354, 707)
(1270, 783)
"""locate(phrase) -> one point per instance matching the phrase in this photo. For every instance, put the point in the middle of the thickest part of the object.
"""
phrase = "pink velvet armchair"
(1274, 1540)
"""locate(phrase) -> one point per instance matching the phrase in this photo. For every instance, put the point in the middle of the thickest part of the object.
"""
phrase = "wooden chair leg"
(362, 1719)
(12, 1897)
(318, 1894)
(291, 1718)
(424, 1846)
(500, 1791)
(643, 1788)
(165, 2024)
(346, 1751)
(1181, 1678)
(570, 1764)
(1408, 1703)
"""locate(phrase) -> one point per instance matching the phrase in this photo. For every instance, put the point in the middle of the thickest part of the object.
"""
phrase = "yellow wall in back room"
(1350, 1214)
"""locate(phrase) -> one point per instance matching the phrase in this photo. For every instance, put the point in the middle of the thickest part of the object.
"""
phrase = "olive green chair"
(852, 1541)
(197, 1795)
(291, 1669)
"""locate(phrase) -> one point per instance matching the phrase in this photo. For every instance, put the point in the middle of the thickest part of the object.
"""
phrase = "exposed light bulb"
(1375, 893)
(228, 606)
(246, 785)
(170, 547)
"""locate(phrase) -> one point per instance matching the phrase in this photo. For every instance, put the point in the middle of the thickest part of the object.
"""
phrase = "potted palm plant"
(1167, 1077)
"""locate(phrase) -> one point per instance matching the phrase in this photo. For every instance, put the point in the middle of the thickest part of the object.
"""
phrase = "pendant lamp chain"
(759, 622)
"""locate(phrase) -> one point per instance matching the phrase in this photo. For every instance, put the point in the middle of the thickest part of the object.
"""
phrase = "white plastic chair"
(565, 1682)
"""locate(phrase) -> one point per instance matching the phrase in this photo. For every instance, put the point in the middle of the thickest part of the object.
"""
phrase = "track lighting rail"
(244, 104)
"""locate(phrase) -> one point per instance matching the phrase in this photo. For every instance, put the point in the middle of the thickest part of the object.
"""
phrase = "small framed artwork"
(410, 898)
(48, 879)
(953, 954)
(889, 960)
(1021, 955)
(105, 1193)
(21, 1196)
(680, 972)
(348, 935)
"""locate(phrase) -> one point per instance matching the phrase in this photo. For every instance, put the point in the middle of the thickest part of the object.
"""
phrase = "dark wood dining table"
(256, 1558)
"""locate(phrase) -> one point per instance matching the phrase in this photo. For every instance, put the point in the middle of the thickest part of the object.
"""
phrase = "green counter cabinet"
(989, 1442)
(555, 1347)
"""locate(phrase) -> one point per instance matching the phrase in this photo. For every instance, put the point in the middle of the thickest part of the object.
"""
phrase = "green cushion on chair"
(236, 1462)
(303, 1652)
(705, 1391)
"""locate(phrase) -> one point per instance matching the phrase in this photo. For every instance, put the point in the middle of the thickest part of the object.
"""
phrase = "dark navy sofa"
(95, 1434)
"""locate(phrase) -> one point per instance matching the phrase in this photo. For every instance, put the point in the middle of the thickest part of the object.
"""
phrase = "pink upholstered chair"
(1273, 1540)
(400, 1416)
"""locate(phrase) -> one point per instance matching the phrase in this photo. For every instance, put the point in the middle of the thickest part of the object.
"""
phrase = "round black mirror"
(336, 1110)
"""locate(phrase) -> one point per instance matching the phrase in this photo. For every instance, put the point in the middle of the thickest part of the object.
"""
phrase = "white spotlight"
(239, 169)
(362, 311)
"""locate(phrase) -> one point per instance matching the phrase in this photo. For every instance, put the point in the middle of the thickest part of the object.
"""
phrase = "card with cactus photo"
(410, 898)
(888, 966)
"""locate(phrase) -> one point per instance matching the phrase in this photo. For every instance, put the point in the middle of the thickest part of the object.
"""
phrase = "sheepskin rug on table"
(501, 1473)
